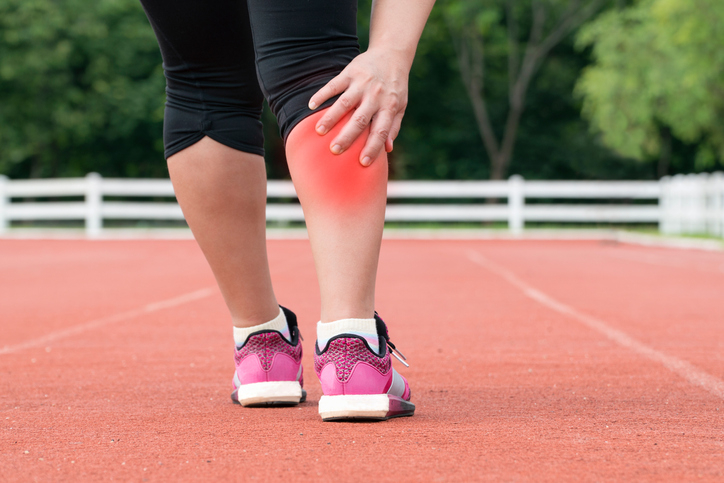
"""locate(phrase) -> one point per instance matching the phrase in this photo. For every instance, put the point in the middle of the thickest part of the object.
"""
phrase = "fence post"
(709, 203)
(667, 212)
(4, 201)
(717, 198)
(700, 188)
(676, 199)
(516, 201)
(664, 205)
(687, 200)
(93, 200)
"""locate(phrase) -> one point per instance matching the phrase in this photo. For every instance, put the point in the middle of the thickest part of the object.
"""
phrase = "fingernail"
(366, 161)
(337, 149)
(322, 129)
(312, 105)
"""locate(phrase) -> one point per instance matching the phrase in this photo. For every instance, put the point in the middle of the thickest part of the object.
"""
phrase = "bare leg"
(222, 193)
(344, 207)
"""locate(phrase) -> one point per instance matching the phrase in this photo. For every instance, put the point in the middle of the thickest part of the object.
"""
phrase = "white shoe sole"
(364, 406)
(269, 393)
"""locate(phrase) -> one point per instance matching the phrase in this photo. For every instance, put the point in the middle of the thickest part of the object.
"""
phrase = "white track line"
(684, 369)
(93, 324)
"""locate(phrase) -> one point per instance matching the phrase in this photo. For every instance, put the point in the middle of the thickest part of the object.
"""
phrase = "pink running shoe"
(358, 383)
(269, 368)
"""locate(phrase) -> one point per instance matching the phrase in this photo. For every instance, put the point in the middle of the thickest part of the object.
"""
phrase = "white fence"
(681, 204)
(693, 204)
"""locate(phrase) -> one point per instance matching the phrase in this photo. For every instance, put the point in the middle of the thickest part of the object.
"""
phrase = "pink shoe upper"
(268, 357)
(349, 367)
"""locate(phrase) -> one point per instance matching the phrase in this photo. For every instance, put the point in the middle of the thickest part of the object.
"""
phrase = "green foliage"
(81, 89)
(658, 65)
(440, 137)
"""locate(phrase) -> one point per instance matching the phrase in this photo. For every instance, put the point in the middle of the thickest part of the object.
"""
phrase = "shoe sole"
(275, 393)
(371, 407)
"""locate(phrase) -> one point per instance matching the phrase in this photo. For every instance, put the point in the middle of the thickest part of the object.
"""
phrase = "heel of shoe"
(372, 407)
(274, 393)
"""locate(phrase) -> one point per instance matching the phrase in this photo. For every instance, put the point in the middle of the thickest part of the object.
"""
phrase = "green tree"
(81, 89)
(506, 42)
(657, 78)
(440, 138)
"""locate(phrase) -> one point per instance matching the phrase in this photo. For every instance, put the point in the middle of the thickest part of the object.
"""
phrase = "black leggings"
(221, 59)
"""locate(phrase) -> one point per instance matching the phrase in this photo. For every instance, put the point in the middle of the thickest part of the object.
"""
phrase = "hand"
(374, 85)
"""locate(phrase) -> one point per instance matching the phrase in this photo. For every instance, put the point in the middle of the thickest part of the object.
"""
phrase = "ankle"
(250, 319)
(343, 312)
(278, 323)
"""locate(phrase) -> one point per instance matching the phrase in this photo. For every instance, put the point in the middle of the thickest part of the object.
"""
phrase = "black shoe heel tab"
(292, 323)
(381, 327)
(291, 316)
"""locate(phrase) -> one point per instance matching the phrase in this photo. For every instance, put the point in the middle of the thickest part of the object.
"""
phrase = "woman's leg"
(222, 193)
(213, 105)
(214, 145)
(299, 47)
(344, 207)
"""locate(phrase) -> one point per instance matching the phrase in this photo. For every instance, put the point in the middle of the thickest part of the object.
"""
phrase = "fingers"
(346, 102)
(336, 86)
(388, 145)
(394, 131)
(378, 137)
(372, 95)
(356, 125)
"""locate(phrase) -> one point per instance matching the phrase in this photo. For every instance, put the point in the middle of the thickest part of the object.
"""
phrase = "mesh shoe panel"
(265, 346)
(345, 353)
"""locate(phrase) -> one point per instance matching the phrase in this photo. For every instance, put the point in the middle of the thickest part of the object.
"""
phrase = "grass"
(644, 229)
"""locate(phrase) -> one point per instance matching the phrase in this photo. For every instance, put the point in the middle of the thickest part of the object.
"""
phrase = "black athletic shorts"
(221, 59)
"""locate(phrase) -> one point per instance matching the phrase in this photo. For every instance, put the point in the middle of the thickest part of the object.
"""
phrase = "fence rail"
(680, 204)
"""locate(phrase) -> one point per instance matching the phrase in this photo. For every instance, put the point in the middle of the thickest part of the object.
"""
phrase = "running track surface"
(529, 361)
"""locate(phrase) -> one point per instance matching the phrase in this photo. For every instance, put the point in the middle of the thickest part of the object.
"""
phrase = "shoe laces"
(392, 348)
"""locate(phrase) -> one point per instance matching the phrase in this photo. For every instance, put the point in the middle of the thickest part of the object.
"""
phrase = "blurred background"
(548, 89)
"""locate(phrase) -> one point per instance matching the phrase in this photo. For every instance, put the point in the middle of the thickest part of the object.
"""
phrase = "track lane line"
(678, 366)
(94, 324)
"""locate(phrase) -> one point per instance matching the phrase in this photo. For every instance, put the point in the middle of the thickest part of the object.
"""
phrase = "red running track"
(529, 360)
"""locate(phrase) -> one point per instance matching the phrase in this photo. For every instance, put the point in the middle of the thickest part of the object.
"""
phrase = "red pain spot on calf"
(337, 180)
